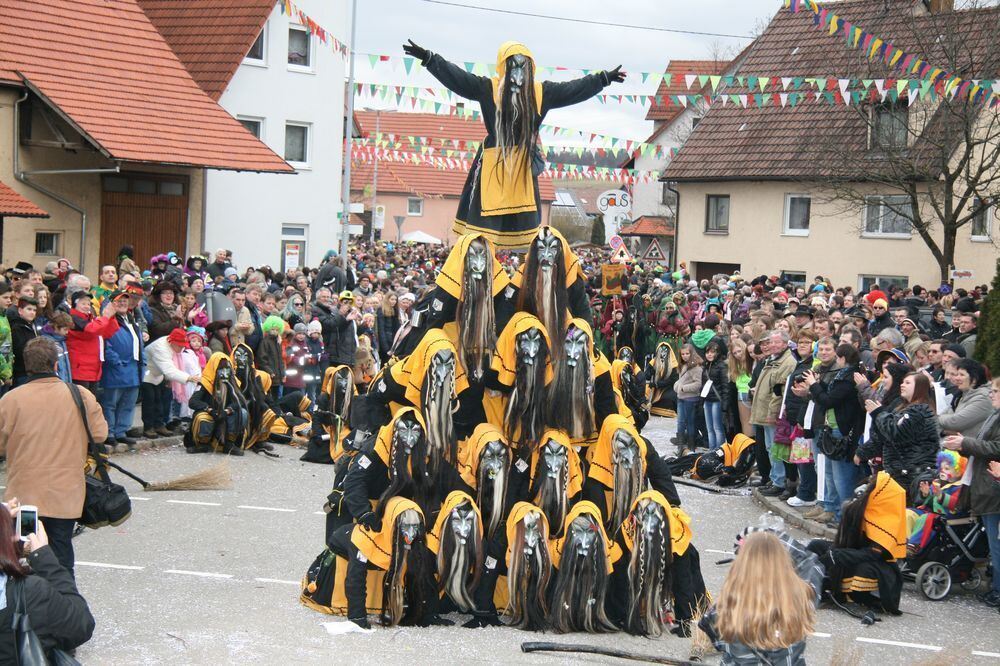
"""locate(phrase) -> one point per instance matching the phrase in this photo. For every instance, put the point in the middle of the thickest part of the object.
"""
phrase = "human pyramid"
(497, 471)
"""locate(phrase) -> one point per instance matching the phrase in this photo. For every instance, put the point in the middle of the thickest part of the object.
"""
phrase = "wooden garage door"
(149, 212)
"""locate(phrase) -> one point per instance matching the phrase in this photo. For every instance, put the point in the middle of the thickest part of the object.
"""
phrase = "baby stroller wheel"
(974, 580)
(934, 580)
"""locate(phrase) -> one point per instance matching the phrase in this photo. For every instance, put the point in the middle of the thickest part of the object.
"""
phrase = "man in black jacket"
(339, 326)
(22, 331)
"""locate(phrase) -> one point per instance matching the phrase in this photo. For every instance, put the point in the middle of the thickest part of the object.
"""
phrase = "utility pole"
(378, 120)
(348, 141)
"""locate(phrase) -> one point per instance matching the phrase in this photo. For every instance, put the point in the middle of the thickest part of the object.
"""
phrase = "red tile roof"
(105, 67)
(210, 37)
(788, 143)
(422, 179)
(13, 204)
(649, 225)
(678, 69)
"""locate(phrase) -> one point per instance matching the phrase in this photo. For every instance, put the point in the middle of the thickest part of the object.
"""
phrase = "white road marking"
(818, 634)
(193, 502)
(319, 513)
(986, 654)
(141, 499)
(265, 508)
(104, 565)
(276, 580)
(916, 646)
(202, 574)
(720, 552)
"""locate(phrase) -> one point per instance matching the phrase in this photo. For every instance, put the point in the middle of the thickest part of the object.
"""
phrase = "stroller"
(957, 551)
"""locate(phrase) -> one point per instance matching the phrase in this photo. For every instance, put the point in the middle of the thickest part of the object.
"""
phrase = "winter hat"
(314, 326)
(178, 337)
(77, 295)
(882, 302)
(302, 328)
(230, 272)
(197, 330)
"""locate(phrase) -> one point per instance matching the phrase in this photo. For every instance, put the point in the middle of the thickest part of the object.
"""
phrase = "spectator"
(107, 284)
(122, 370)
(126, 262)
(217, 269)
(46, 456)
(911, 335)
(163, 308)
(938, 326)
(270, 358)
(881, 319)
(299, 361)
(317, 354)
(295, 310)
(974, 406)
(6, 342)
(86, 339)
(244, 322)
(387, 322)
(22, 331)
(688, 388)
(967, 327)
(161, 369)
(716, 403)
(218, 337)
(766, 401)
(908, 433)
(45, 307)
(56, 331)
(984, 487)
(253, 296)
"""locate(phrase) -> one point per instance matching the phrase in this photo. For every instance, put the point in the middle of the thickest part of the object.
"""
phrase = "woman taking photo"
(59, 615)
(974, 405)
(984, 489)
(909, 433)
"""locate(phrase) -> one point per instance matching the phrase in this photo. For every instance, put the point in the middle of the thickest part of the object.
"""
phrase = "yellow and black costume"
(333, 408)
(500, 198)
(220, 419)
(661, 375)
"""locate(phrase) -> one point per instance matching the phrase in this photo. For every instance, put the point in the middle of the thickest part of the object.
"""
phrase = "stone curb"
(150, 444)
(793, 517)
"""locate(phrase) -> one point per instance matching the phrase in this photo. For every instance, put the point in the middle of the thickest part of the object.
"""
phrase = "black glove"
(614, 76)
(418, 52)
(371, 521)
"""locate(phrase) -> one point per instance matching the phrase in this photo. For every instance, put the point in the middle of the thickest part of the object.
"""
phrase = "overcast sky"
(461, 34)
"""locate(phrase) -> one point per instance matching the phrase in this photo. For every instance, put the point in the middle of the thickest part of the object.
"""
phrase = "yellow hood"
(331, 372)
(575, 473)
(517, 514)
(580, 509)
(452, 276)
(602, 467)
(572, 263)
(505, 357)
(377, 546)
(454, 498)
(506, 50)
(468, 463)
(598, 361)
(383, 443)
(733, 450)
(885, 516)
(411, 372)
(211, 369)
(680, 523)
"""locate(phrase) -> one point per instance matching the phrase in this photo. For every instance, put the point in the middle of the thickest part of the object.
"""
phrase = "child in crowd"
(186, 361)
(317, 353)
(56, 329)
(937, 497)
(269, 356)
(196, 341)
(298, 361)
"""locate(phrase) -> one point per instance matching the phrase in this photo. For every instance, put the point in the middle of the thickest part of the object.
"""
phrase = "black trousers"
(155, 404)
(356, 578)
(60, 534)
(760, 452)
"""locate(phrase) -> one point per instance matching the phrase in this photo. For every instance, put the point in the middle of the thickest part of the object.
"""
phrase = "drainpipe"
(677, 226)
(25, 176)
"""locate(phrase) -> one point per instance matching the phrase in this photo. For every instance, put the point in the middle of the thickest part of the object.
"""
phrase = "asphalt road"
(213, 577)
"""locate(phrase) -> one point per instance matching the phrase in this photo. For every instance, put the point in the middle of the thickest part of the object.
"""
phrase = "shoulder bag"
(30, 651)
(105, 503)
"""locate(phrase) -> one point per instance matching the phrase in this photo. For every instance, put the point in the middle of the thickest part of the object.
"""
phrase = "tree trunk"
(947, 260)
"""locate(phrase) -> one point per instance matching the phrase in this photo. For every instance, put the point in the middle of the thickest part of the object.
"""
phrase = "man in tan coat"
(765, 405)
(43, 437)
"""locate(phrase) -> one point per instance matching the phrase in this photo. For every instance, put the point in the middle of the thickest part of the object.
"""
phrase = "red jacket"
(86, 346)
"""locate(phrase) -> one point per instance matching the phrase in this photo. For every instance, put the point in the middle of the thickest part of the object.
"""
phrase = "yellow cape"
(454, 498)
(602, 467)
(613, 550)
(411, 372)
(472, 448)
(452, 275)
(572, 262)
(680, 523)
(574, 470)
(383, 442)
(885, 516)
(505, 356)
(211, 369)
(517, 514)
(377, 546)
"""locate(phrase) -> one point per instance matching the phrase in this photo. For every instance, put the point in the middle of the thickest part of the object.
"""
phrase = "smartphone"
(27, 521)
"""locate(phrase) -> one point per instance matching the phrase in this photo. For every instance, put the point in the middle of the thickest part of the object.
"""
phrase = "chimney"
(941, 6)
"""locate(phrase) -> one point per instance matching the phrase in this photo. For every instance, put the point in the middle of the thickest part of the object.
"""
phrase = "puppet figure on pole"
(500, 198)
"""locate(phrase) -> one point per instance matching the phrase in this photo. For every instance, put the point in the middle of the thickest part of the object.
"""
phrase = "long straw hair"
(764, 604)
(514, 123)
(475, 312)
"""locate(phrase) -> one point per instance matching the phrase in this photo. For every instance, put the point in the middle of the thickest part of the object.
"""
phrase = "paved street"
(212, 577)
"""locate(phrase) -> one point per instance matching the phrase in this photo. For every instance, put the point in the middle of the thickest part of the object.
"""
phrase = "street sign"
(357, 208)
(961, 274)
(653, 251)
(621, 256)
(616, 242)
(378, 219)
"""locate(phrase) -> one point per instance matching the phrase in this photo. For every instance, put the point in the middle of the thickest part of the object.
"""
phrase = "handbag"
(834, 448)
(30, 651)
(802, 453)
(104, 502)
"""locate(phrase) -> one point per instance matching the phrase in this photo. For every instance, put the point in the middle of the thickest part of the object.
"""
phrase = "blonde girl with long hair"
(767, 606)
(740, 368)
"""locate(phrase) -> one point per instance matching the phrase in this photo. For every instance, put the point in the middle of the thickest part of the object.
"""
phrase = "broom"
(213, 478)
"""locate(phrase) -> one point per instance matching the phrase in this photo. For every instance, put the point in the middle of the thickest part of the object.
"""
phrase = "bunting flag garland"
(875, 48)
(324, 36)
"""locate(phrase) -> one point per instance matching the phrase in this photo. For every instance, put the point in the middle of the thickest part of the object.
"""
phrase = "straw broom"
(218, 477)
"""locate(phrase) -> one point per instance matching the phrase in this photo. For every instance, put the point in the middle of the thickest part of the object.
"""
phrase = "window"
(983, 212)
(171, 188)
(414, 206)
(695, 121)
(257, 52)
(563, 199)
(797, 278)
(115, 184)
(668, 197)
(797, 208)
(142, 186)
(888, 216)
(47, 243)
(885, 282)
(717, 214)
(299, 47)
(254, 125)
(297, 143)
(296, 231)
(890, 126)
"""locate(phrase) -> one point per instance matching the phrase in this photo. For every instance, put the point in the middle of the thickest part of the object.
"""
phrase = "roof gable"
(210, 37)
(13, 204)
(678, 70)
(104, 65)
